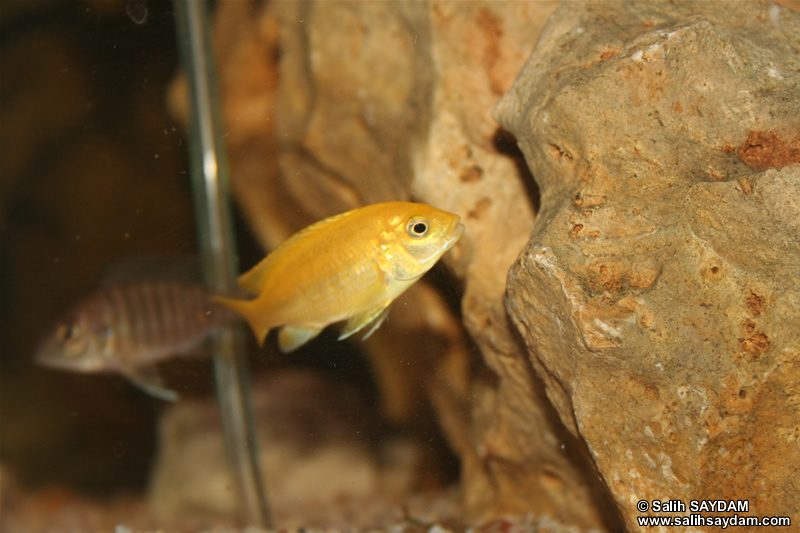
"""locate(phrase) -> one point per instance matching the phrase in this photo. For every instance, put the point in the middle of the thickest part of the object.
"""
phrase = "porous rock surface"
(333, 105)
(659, 294)
(650, 331)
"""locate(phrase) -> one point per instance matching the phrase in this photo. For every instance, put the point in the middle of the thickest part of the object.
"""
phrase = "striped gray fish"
(127, 329)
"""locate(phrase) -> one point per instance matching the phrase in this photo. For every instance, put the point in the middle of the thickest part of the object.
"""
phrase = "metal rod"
(209, 171)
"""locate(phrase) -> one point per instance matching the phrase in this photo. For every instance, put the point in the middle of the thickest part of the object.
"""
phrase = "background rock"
(315, 451)
(376, 102)
(670, 245)
(658, 294)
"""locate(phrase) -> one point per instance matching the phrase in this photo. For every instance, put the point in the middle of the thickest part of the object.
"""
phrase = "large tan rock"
(653, 309)
(328, 106)
(658, 295)
(392, 101)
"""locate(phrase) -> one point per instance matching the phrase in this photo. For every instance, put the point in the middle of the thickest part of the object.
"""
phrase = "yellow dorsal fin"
(253, 279)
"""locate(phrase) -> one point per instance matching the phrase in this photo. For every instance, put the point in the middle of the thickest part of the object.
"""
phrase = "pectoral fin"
(369, 309)
(149, 380)
(371, 318)
(291, 338)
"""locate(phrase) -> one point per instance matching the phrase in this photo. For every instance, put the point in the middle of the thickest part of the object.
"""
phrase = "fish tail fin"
(247, 310)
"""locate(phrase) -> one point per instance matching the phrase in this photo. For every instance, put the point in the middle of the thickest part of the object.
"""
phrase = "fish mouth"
(49, 355)
(458, 231)
(45, 356)
(47, 359)
(54, 362)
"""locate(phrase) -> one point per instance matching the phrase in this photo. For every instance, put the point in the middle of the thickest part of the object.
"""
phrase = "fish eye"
(418, 227)
(69, 334)
(65, 332)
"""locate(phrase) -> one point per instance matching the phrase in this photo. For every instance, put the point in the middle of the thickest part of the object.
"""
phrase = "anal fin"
(291, 338)
(149, 380)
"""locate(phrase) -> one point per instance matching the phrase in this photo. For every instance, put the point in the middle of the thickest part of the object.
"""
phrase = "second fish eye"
(418, 227)
(65, 332)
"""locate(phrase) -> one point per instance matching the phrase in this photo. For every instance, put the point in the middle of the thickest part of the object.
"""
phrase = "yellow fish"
(346, 267)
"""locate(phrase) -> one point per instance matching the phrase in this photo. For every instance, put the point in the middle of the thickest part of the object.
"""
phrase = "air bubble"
(137, 11)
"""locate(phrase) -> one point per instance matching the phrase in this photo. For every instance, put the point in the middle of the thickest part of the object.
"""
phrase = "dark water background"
(93, 170)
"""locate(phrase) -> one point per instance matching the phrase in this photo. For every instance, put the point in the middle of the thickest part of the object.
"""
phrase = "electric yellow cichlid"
(346, 267)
